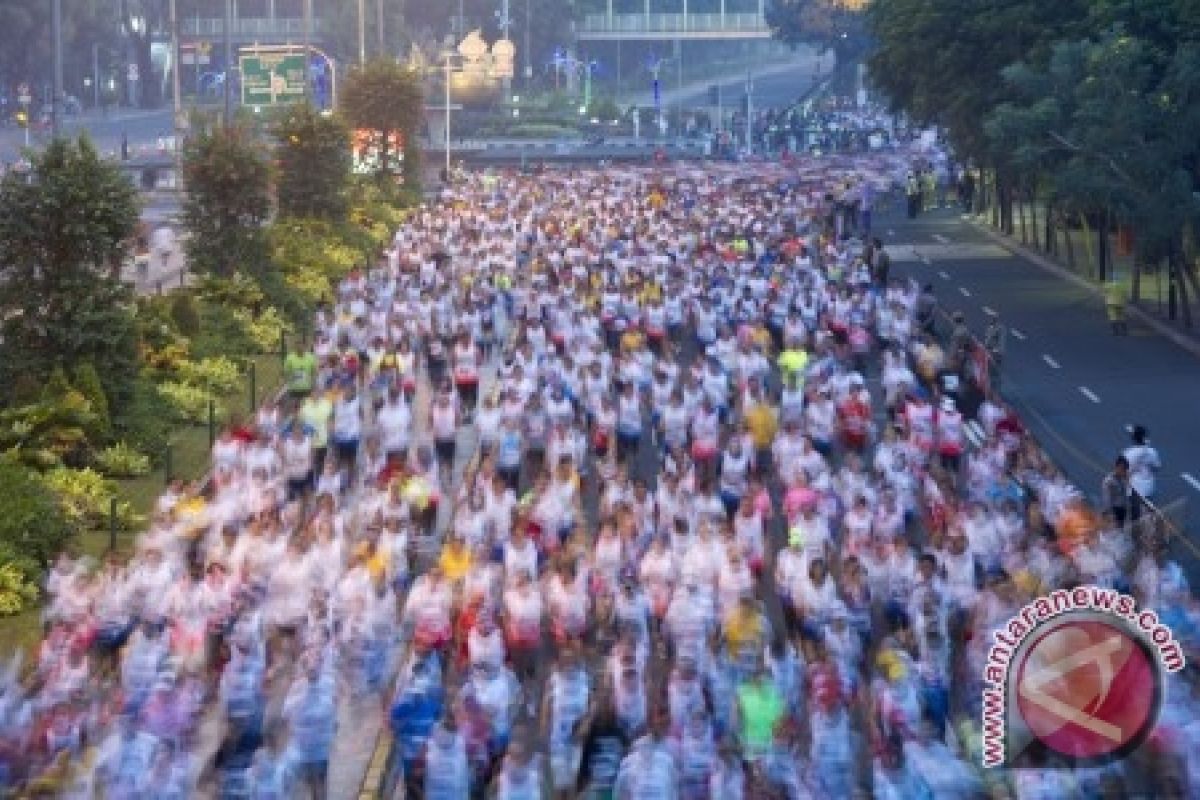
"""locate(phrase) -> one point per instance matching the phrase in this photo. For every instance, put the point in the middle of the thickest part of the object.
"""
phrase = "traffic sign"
(132, 72)
(272, 78)
(24, 96)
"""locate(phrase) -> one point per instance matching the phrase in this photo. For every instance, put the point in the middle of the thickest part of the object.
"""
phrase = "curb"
(1187, 342)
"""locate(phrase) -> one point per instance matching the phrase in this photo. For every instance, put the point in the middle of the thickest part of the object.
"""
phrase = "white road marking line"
(1089, 394)
(1195, 484)
(991, 312)
(944, 275)
(1053, 364)
(965, 291)
(1016, 333)
(937, 237)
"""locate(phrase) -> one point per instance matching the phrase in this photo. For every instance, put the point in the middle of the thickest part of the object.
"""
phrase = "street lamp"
(448, 55)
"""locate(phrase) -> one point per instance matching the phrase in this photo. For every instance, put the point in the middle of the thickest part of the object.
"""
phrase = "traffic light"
(23, 119)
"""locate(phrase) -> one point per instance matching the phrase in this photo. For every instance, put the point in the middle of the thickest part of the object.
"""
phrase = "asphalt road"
(106, 130)
(1075, 384)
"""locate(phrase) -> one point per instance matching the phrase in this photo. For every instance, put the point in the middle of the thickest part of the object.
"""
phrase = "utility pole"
(449, 54)
(176, 95)
(96, 76)
(56, 109)
(749, 113)
(308, 93)
(228, 82)
(379, 27)
(362, 32)
(528, 48)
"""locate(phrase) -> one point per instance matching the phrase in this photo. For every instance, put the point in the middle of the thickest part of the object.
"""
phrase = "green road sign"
(272, 78)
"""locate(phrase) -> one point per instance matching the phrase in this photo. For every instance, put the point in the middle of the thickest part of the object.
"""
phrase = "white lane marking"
(937, 237)
(944, 275)
(1017, 334)
(1089, 394)
(965, 291)
(1053, 364)
(1195, 484)
(991, 312)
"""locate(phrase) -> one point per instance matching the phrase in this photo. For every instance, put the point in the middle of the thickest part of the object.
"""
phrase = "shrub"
(265, 329)
(184, 314)
(188, 403)
(33, 527)
(57, 385)
(237, 291)
(122, 461)
(18, 589)
(85, 497)
(220, 333)
(218, 374)
(145, 423)
(49, 432)
(87, 381)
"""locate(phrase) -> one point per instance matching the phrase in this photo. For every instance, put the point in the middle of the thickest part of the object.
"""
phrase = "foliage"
(266, 329)
(145, 422)
(376, 212)
(33, 527)
(384, 98)
(940, 61)
(227, 201)
(312, 153)
(837, 25)
(184, 313)
(238, 290)
(218, 374)
(310, 254)
(63, 235)
(18, 589)
(122, 461)
(189, 403)
(50, 432)
(1110, 121)
(85, 497)
(87, 382)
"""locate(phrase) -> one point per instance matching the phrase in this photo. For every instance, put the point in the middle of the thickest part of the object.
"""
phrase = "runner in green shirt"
(760, 707)
(300, 369)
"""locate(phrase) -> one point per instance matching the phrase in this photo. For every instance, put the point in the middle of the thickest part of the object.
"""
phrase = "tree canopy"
(227, 202)
(312, 154)
(65, 232)
(383, 99)
(837, 25)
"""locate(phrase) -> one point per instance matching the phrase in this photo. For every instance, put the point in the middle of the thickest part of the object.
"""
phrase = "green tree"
(383, 98)
(837, 25)
(64, 234)
(227, 201)
(940, 61)
(87, 383)
(312, 154)
(33, 528)
(1110, 123)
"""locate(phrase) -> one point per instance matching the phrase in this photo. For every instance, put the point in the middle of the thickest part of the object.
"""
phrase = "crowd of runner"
(721, 531)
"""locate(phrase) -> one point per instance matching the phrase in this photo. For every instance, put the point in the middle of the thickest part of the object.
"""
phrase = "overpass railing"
(673, 23)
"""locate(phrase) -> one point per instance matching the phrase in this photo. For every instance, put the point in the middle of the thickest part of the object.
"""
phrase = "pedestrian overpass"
(647, 26)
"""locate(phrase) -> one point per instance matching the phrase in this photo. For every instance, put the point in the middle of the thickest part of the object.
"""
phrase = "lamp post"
(176, 100)
(362, 32)
(56, 108)
(448, 56)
